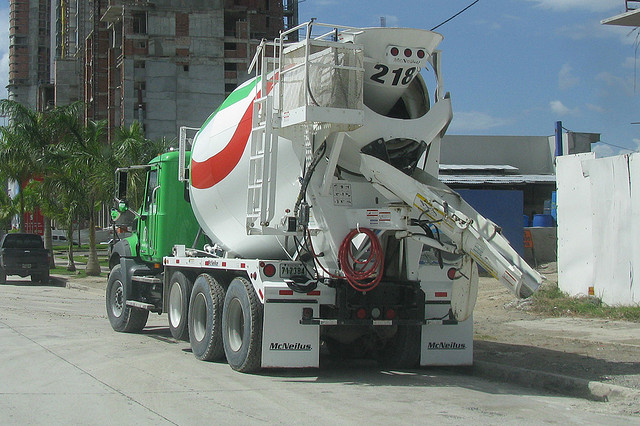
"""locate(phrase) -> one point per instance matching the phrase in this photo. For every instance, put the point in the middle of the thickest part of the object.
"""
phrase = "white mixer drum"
(393, 57)
(219, 175)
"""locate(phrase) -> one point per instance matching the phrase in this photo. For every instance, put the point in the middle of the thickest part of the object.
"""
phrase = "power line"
(606, 143)
(617, 146)
(459, 13)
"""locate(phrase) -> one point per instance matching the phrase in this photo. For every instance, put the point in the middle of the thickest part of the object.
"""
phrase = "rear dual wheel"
(205, 318)
(226, 323)
(242, 326)
(403, 349)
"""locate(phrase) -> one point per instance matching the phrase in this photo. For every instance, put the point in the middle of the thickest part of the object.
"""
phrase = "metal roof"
(478, 168)
(496, 179)
(627, 19)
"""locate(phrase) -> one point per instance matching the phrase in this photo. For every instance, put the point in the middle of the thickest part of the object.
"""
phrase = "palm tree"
(132, 148)
(23, 153)
(7, 210)
(16, 164)
(64, 184)
(90, 163)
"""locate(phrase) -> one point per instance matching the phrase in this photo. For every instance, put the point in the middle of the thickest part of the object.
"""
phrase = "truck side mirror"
(121, 185)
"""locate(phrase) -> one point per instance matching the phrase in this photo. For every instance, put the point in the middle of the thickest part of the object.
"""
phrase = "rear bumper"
(23, 272)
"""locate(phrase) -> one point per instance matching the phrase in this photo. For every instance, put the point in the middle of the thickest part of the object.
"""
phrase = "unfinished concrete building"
(29, 53)
(166, 63)
(170, 63)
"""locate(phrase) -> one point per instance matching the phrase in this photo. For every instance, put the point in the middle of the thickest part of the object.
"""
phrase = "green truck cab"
(165, 219)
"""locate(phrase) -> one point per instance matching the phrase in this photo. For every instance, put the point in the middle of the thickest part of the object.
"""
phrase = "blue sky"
(513, 67)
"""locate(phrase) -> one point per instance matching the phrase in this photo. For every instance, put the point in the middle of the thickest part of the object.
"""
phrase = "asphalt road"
(60, 362)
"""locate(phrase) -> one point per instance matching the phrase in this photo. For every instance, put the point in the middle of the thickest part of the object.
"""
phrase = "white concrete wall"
(598, 229)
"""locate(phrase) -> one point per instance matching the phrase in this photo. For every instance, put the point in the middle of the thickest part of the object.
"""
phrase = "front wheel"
(179, 293)
(3, 276)
(123, 318)
(242, 326)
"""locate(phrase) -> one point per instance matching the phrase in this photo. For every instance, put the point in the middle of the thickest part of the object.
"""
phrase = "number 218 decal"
(398, 75)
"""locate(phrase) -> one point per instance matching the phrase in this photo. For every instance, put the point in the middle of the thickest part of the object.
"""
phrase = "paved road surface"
(60, 362)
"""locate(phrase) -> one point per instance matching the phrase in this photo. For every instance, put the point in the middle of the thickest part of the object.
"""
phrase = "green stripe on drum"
(237, 95)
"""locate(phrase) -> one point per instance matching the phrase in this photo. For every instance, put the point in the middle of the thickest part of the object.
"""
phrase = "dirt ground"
(592, 349)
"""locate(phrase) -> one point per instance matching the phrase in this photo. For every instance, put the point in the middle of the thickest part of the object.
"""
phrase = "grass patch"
(550, 300)
(79, 273)
(83, 258)
(62, 270)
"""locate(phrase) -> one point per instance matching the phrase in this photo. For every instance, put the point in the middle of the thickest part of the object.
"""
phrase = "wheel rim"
(117, 298)
(235, 319)
(175, 304)
(199, 317)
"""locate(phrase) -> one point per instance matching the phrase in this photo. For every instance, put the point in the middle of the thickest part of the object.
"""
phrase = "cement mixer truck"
(306, 215)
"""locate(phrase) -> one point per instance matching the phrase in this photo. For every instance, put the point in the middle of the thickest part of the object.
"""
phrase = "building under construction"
(165, 63)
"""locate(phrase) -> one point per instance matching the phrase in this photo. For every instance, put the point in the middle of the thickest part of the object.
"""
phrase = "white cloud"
(621, 84)
(595, 108)
(630, 62)
(557, 107)
(491, 25)
(603, 150)
(566, 78)
(588, 5)
(475, 121)
(608, 150)
(627, 35)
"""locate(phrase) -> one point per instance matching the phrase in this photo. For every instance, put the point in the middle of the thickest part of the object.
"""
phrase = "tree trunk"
(48, 241)
(93, 266)
(21, 201)
(71, 265)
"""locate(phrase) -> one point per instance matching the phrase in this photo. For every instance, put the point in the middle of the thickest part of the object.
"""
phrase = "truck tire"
(40, 278)
(3, 276)
(123, 318)
(242, 326)
(178, 312)
(205, 318)
(403, 349)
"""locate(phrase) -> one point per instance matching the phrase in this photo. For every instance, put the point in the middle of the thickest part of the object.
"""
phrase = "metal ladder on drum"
(264, 147)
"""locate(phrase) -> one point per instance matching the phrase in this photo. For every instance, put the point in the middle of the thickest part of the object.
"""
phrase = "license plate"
(26, 265)
(289, 270)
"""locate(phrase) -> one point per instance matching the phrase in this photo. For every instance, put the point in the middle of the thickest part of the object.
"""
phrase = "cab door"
(148, 217)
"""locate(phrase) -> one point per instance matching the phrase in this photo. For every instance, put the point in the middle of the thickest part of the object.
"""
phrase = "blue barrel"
(526, 221)
(543, 220)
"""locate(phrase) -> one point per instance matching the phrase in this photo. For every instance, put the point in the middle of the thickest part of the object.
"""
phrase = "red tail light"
(451, 273)
(269, 270)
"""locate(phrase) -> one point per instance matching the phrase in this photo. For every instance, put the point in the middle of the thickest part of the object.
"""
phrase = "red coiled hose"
(362, 275)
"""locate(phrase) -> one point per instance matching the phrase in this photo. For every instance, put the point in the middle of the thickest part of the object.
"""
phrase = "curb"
(78, 286)
(557, 383)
